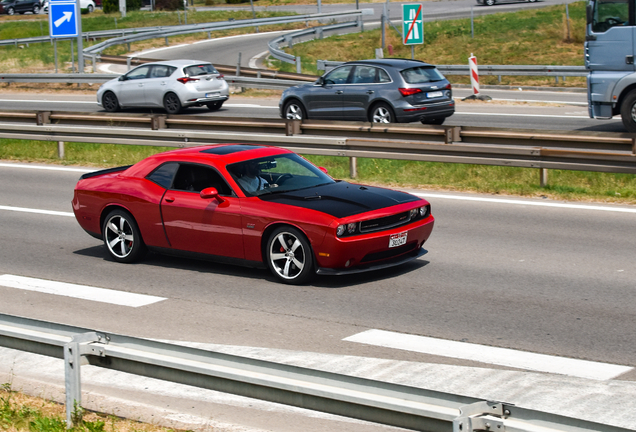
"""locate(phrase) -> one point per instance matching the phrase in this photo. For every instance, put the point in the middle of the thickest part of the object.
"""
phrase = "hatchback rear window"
(420, 74)
(203, 69)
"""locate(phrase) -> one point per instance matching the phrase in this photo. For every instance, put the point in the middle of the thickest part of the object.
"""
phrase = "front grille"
(389, 253)
(385, 222)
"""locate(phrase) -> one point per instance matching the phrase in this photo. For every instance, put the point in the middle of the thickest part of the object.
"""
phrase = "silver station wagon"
(172, 85)
(379, 91)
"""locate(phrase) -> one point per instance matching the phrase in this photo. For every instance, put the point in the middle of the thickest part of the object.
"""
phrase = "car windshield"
(275, 174)
(418, 75)
(202, 69)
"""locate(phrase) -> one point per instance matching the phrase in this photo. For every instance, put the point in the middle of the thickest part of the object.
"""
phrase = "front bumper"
(371, 267)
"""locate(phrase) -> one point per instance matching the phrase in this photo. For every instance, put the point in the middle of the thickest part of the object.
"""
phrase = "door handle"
(339, 92)
(169, 199)
(629, 59)
(370, 92)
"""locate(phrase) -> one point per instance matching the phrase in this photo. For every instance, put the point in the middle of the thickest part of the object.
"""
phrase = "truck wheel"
(628, 111)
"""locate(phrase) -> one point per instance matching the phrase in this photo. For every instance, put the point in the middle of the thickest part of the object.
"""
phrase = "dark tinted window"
(164, 174)
(420, 74)
(364, 75)
(202, 69)
(383, 77)
(195, 178)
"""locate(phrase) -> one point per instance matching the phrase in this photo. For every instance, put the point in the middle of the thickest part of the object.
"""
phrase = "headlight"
(341, 230)
(351, 228)
(424, 211)
(413, 214)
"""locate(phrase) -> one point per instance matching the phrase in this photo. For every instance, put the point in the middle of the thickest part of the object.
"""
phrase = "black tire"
(172, 104)
(434, 121)
(294, 110)
(489, 2)
(289, 256)
(36, 9)
(110, 102)
(122, 237)
(381, 113)
(214, 106)
(628, 111)
(90, 8)
(10, 11)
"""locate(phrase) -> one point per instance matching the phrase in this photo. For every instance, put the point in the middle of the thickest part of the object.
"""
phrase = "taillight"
(220, 77)
(409, 91)
(448, 86)
(185, 80)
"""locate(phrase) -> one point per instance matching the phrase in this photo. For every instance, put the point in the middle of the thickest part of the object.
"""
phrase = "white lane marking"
(529, 203)
(491, 355)
(83, 292)
(30, 210)
(520, 115)
(48, 101)
(250, 106)
(541, 101)
(41, 167)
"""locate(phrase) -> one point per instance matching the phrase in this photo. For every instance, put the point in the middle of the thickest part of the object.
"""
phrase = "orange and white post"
(474, 76)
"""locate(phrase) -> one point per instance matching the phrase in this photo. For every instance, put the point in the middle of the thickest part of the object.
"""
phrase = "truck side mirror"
(589, 12)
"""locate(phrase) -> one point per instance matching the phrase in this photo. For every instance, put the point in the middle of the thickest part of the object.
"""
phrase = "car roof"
(392, 62)
(180, 63)
(218, 154)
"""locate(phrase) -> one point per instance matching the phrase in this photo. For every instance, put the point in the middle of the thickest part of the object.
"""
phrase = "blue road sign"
(62, 19)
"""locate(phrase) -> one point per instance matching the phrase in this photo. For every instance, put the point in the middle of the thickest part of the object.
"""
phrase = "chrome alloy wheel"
(119, 236)
(293, 112)
(287, 255)
(382, 115)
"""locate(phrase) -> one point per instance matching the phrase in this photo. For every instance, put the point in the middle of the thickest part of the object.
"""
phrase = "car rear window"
(202, 69)
(421, 74)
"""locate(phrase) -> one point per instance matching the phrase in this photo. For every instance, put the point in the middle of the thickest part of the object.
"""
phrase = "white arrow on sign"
(67, 17)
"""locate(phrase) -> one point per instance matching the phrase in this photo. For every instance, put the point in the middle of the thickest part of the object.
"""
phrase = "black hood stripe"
(341, 199)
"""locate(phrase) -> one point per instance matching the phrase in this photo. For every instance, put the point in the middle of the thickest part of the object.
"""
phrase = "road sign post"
(412, 25)
(65, 22)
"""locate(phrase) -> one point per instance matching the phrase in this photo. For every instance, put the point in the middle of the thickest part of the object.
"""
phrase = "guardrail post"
(167, 44)
(353, 167)
(158, 122)
(60, 149)
(292, 127)
(633, 145)
(543, 174)
(128, 60)
(238, 65)
(298, 65)
(43, 117)
(453, 134)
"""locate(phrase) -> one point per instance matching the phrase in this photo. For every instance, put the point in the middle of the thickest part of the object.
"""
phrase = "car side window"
(610, 13)
(139, 73)
(164, 174)
(339, 75)
(383, 77)
(195, 178)
(161, 71)
(364, 75)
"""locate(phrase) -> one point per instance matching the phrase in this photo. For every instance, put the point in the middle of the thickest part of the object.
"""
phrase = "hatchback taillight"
(220, 77)
(185, 80)
(409, 91)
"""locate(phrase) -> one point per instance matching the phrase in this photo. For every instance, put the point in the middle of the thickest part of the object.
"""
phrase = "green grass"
(562, 184)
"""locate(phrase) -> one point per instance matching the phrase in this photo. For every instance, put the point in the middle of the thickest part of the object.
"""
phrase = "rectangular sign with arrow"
(62, 19)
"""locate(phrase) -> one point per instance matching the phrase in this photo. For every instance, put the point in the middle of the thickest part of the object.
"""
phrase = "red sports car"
(253, 205)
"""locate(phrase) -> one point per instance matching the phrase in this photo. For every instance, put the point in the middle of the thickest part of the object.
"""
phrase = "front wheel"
(122, 237)
(490, 2)
(10, 11)
(36, 10)
(110, 102)
(90, 8)
(381, 113)
(294, 111)
(628, 111)
(289, 255)
(171, 103)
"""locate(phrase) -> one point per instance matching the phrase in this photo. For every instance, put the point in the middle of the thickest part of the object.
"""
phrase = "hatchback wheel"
(171, 103)
(36, 9)
(122, 237)
(490, 2)
(289, 255)
(294, 111)
(381, 113)
(110, 102)
(90, 8)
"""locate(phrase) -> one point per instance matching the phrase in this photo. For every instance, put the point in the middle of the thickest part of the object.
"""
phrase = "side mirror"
(589, 12)
(210, 193)
(122, 78)
(320, 81)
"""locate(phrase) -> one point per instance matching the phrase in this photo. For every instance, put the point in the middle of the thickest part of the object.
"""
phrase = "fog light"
(348, 263)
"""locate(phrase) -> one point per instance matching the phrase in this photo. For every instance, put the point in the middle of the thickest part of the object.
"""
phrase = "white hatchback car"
(84, 4)
(171, 84)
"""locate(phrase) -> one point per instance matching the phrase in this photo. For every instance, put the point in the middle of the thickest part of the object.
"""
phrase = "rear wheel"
(171, 103)
(289, 255)
(36, 9)
(10, 11)
(628, 111)
(90, 8)
(489, 2)
(122, 237)
(214, 106)
(110, 102)
(294, 110)
(381, 113)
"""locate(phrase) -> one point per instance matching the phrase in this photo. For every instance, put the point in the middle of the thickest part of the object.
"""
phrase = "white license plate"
(434, 94)
(212, 94)
(397, 239)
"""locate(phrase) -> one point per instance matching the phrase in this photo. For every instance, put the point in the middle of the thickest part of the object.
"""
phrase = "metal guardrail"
(365, 399)
(583, 151)
(100, 34)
